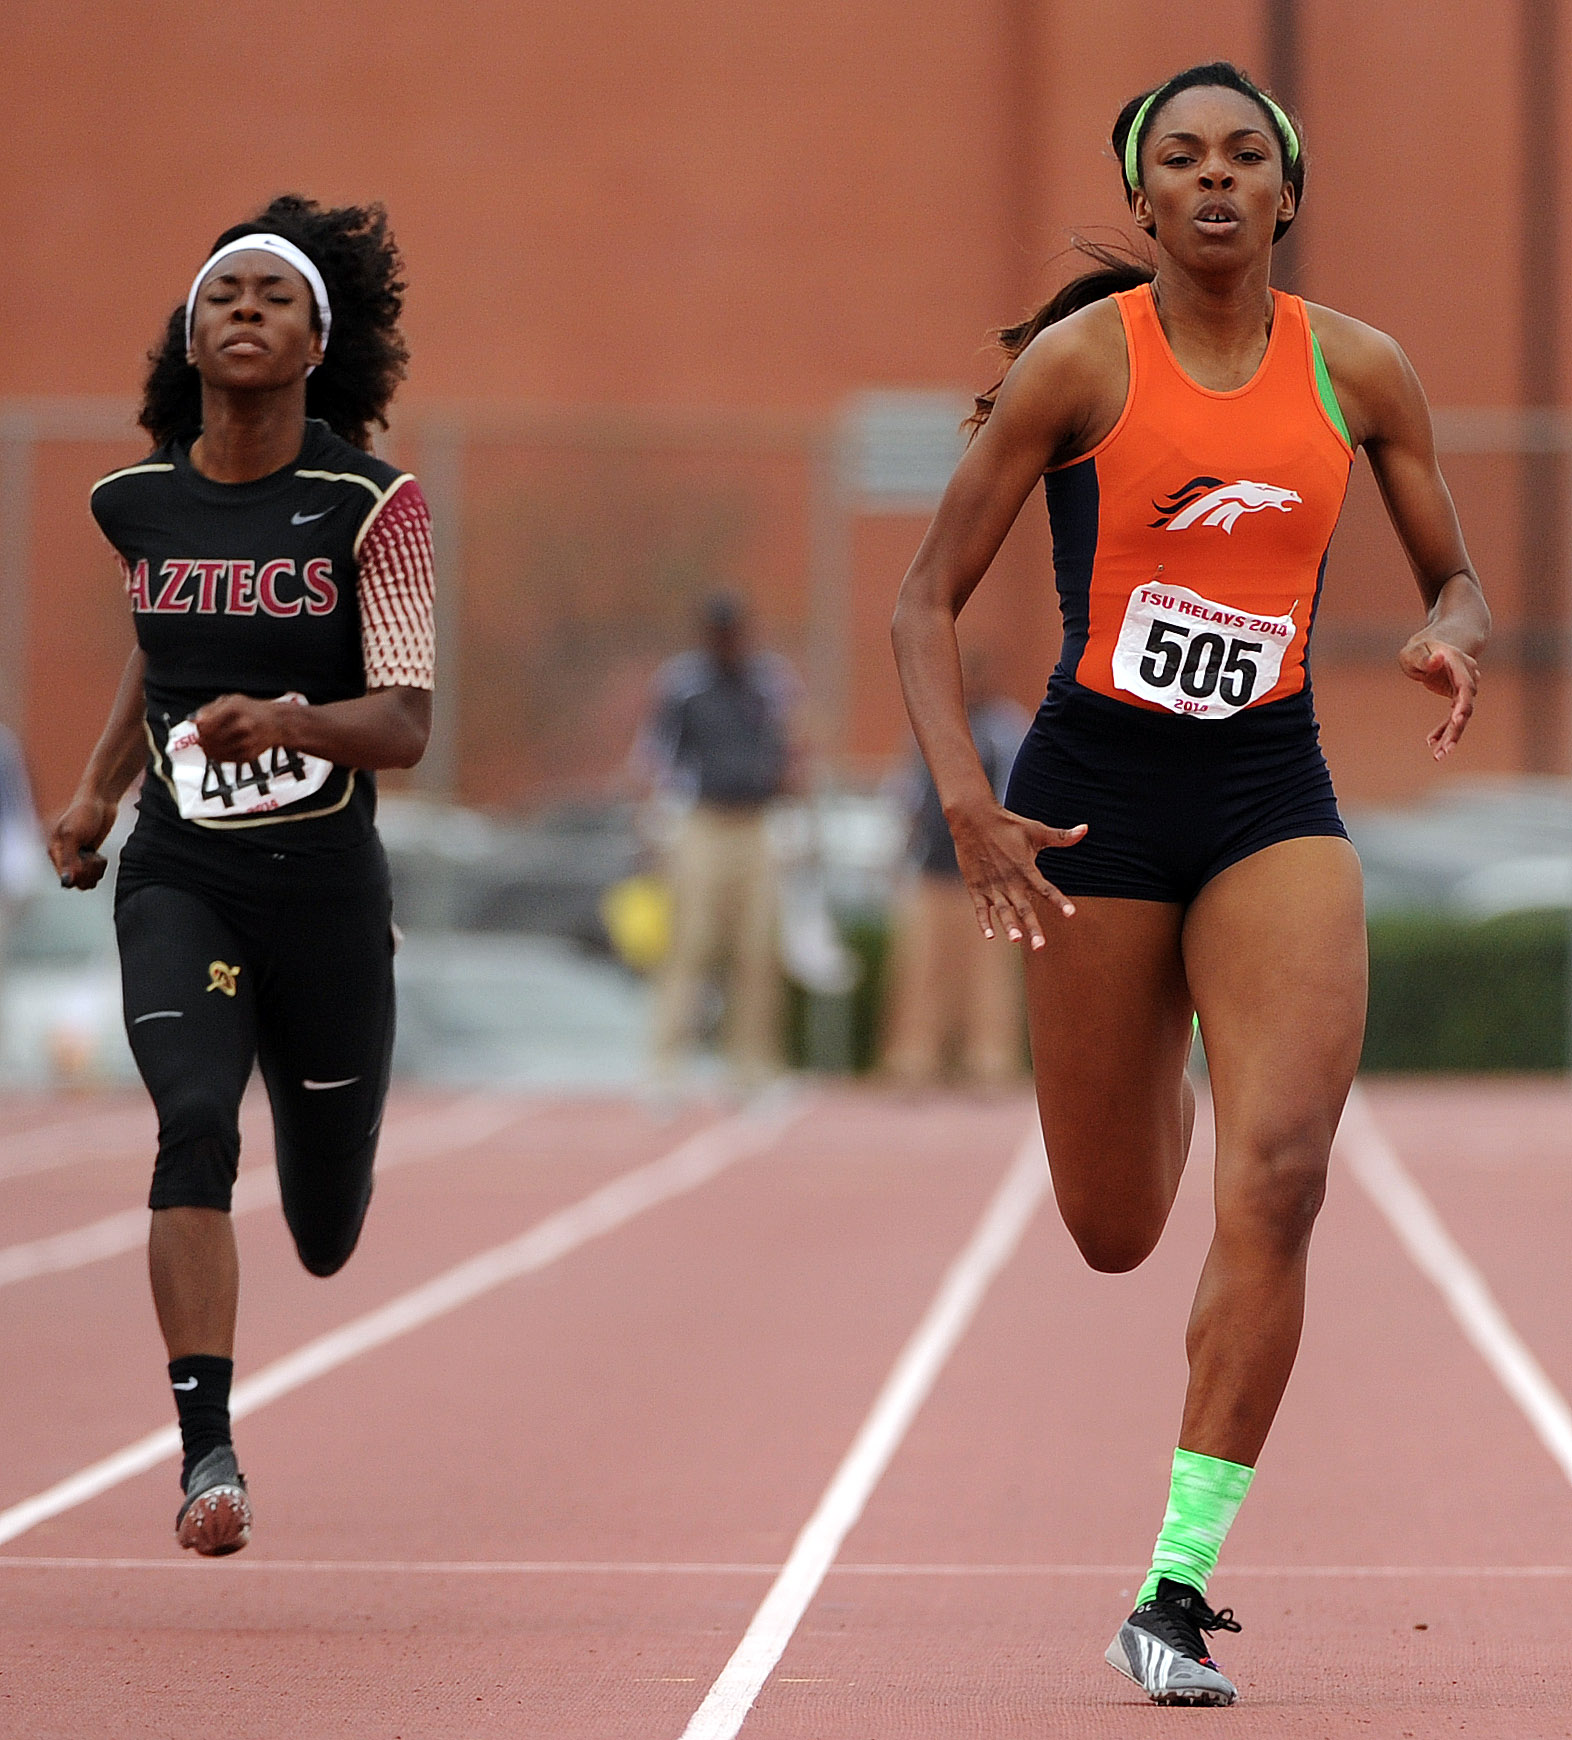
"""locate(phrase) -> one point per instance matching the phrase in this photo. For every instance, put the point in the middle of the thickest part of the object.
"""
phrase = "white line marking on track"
(726, 1706)
(108, 1237)
(639, 1568)
(421, 1567)
(1392, 1188)
(69, 1141)
(691, 1163)
(424, 1136)
(120, 1134)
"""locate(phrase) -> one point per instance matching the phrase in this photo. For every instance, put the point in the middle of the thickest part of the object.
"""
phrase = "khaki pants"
(725, 911)
(950, 989)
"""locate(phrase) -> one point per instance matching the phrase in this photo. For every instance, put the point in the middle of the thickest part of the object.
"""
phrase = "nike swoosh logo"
(348, 1081)
(306, 519)
(189, 1384)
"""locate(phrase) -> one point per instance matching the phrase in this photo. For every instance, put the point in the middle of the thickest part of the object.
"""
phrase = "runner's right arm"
(1059, 399)
(116, 760)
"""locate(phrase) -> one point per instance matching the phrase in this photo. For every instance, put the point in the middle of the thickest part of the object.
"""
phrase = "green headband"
(1132, 142)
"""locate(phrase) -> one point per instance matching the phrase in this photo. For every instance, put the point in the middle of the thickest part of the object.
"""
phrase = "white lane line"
(69, 1141)
(692, 1163)
(417, 1567)
(424, 1136)
(912, 1377)
(108, 1237)
(1392, 1188)
(120, 1134)
(252, 1566)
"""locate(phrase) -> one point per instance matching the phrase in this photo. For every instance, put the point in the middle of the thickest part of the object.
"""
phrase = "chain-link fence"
(573, 546)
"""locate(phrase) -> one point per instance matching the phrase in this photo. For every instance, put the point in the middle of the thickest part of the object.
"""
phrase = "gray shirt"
(723, 735)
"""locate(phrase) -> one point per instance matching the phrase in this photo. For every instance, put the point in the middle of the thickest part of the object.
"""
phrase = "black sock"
(201, 1385)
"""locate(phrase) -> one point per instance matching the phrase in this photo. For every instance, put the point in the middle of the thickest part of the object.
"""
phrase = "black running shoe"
(1161, 1648)
(216, 1516)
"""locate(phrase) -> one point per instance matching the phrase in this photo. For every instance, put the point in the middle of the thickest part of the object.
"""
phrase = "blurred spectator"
(952, 993)
(21, 843)
(721, 738)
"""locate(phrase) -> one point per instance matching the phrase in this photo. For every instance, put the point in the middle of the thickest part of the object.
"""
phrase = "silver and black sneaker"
(1161, 1648)
(216, 1517)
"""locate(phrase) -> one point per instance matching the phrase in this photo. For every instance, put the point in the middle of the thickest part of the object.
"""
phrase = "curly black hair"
(353, 248)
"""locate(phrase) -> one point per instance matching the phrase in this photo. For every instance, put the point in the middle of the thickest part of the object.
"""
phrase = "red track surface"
(634, 1435)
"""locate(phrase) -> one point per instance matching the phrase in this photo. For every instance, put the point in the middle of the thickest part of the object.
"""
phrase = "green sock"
(1203, 1500)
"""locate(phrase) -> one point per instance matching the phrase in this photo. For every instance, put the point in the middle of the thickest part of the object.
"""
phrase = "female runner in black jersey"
(281, 591)
(1196, 430)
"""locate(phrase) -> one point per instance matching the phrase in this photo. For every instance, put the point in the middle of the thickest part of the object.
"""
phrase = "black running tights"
(300, 983)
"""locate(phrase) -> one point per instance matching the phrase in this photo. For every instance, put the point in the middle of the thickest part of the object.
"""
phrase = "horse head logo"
(1208, 501)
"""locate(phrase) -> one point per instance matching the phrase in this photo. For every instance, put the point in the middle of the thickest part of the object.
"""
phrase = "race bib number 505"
(1193, 656)
(225, 790)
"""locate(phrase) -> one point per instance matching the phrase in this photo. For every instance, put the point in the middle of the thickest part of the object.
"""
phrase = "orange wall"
(770, 206)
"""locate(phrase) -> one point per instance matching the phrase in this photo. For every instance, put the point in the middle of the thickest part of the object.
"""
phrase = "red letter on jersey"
(267, 582)
(174, 575)
(136, 583)
(242, 600)
(319, 583)
(208, 576)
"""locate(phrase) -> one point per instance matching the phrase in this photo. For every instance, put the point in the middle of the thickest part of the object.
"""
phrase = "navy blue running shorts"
(1168, 801)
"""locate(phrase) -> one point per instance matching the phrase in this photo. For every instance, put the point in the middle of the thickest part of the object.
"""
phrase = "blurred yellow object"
(637, 914)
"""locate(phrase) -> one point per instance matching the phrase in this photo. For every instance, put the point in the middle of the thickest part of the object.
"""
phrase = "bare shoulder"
(1375, 382)
(1089, 341)
(1074, 375)
(1354, 350)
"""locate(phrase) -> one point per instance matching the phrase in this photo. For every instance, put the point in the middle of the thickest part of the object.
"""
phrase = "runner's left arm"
(1388, 415)
(386, 728)
(1053, 402)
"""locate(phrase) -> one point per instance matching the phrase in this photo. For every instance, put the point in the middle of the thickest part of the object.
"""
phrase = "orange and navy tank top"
(1190, 544)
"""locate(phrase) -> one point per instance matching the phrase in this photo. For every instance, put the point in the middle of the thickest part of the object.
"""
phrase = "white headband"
(267, 244)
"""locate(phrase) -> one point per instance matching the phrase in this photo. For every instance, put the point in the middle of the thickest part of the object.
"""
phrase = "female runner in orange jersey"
(1196, 429)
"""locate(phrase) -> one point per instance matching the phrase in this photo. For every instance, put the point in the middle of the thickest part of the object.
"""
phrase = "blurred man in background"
(21, 844)
(721, 738)
(951, 992)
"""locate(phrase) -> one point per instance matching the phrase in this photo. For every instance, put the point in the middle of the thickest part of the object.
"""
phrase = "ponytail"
(1113, 271)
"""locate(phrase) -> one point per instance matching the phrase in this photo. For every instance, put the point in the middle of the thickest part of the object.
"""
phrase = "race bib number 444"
(226, 790)
(1193, 656)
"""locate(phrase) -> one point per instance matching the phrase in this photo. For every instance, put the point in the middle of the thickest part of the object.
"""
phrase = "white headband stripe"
(266, 243)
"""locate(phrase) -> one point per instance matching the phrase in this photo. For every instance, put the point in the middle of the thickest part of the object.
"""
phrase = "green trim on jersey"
(1323, 383)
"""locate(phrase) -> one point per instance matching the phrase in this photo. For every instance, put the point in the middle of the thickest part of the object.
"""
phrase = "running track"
(551, 1493)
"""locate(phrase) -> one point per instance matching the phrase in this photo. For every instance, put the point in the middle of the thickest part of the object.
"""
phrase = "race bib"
(224, 790)
(1193, 656)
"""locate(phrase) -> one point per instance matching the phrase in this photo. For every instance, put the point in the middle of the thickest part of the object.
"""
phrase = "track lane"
(1430, 1246)
(680, 1395)
(1396, 1448)
(679, 1405)
(1495, 1159)
(75, 1181)
(87, 1341)
(900, 1399)
(431, 1133)
(44, 1135)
